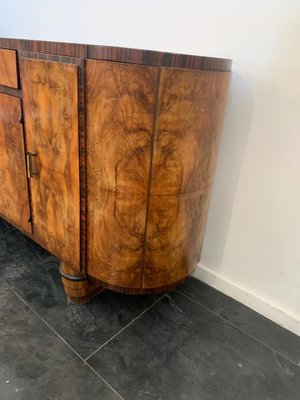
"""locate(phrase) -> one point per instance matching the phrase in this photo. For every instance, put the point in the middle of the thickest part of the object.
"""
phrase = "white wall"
(252, 245)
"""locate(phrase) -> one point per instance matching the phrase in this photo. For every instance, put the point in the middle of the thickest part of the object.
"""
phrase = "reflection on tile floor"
(192, 343)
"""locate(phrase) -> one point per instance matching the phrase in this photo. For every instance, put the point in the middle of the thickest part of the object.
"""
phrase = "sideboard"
(107, 159)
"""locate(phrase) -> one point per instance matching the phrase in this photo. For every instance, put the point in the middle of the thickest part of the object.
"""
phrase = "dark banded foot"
(78, 288)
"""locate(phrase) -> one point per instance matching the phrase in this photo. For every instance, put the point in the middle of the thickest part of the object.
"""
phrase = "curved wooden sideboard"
(107, 159)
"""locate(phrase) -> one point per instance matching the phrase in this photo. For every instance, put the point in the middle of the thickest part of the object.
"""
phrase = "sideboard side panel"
(120, 109)
(14, 196)
(50, 96)
(190, 113)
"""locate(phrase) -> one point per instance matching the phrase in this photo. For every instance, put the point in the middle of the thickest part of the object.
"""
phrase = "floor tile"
(265, 330)
(180, 351)
(35, 364)
(33, 274)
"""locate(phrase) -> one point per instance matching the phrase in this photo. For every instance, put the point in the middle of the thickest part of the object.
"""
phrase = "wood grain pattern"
(42, 46)
(157, 58)
(79, 292)
(8, 68)
(14, 200)
(119, 54)
(190, 110)
(10, 91)
(50, 96)
(80, 62)
(140, 290)
(120, 107)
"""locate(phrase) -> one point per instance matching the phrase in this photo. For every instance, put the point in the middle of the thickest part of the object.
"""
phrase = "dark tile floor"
(192, 343)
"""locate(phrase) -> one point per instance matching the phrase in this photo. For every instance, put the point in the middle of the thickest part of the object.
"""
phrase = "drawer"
(8, 68)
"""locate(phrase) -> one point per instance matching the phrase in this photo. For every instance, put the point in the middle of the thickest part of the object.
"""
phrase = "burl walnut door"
(189, 119)
(152, 140)
(120, 110)
(14, 199)
(50, 95)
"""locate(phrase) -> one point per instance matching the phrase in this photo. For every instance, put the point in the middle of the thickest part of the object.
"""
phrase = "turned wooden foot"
(79, 289)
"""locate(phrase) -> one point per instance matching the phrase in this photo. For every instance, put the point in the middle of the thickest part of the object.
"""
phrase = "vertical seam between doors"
(152, 149)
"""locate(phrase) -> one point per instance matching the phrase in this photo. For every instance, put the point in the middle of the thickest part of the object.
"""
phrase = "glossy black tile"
(35, 364)
(33, 274)
(180, 351)
(265, 330)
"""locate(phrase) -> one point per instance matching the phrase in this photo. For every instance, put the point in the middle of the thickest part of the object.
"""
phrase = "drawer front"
(8, 68)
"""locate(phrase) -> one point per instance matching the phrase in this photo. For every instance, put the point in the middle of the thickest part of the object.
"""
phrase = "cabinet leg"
(79, 289)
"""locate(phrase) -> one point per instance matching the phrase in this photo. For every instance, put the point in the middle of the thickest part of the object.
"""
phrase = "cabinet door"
(120, 110)
(50, 96)
(14, 199)
(189, 119)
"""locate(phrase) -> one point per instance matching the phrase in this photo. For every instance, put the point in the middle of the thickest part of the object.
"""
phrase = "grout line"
(125, 327)
(62, 339)
(237, 327)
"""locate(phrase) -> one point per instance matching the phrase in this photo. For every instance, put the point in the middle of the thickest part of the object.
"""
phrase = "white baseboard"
(249, 298)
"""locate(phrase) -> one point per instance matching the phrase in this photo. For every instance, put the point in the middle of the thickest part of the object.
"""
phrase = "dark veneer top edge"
(119, 54)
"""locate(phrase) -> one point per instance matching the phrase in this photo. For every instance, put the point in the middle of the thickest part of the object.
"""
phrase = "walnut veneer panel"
(14, 200)
(8, 68)
(50, 96)
(119, 54)
(190, 111)
(120, 109)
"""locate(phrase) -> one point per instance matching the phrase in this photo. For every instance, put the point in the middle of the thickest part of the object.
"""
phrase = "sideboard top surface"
(119, 54)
